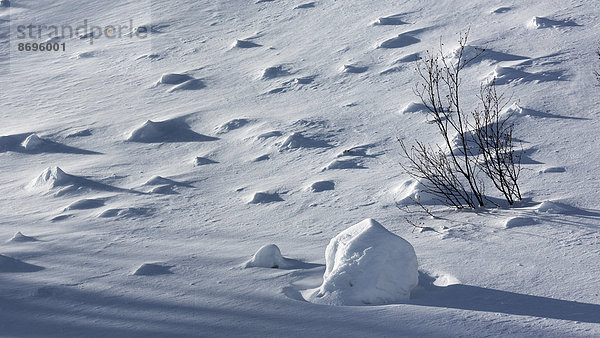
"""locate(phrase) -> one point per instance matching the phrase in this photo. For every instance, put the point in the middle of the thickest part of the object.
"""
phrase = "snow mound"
(321, 186)
(274, 72)
(80, 133)
(86, 203)
(174, 79)
(399, 41)
(261, 158)
(551, 207)
(354, 69)
(232, 125)
(367, 264)
(173, 130)
(193, 84)
(33, 142)
(359, 151)
(392, 20)
(518, 222)
(408, 58)
(414, 107)
(501, 10)
(51, 177)
(54, 178)
(125, 212)
(159, 180)
(411, 191)
(538, 22)
(265, 197)
(516, 110)
(297, 140)
(268, 256)
(554, 170)
(506, 75)
(345, 164)
(269, 134)
(153, 269)
(20, 238)
(478, 54)
(166, 189)
(304, 80)
(445, 280)
(200, 161)
(245, 44)
(9, 264)
(306, 5)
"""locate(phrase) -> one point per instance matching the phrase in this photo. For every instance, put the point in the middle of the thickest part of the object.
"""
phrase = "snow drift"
(268, 256)
(367, 264)
(50, 178)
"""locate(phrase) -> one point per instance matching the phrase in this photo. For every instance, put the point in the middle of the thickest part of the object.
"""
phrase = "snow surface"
(367, 264)
(103, 117)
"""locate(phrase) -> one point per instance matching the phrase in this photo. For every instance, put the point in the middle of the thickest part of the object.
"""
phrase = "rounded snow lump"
(268, 256)
(367, 264)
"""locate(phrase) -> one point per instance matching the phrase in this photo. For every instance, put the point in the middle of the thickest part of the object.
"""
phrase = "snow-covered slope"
(293, 109)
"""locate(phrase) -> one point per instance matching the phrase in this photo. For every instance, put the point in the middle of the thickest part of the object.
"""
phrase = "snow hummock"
(33, 142)
(518, 222)
(400, 41)
(355, 69)
(305, 5)
(351, 163)
(245, 44)
(172, 130)
(274, 72)
(264, 197)
(413, 191)
(20, 238)
(199, 161)
(392, 20)
(50, 178)
(192, 84)
(320, 186)
(268, 256)
(174, 78)
(542, 22)
(414, 107)
(86, 203)
(152, 269)
(367, 264)
(232, 125)
(551, 207)
(297, 141)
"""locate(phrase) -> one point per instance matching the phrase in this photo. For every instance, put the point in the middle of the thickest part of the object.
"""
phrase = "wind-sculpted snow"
(34, 144)
(392, 20)
(153, 269)
(139, 175)
(20, 238)
(400, 41)
(54, 179)
(173, 130)
(366, 265)
(542, 22)
(268, 256)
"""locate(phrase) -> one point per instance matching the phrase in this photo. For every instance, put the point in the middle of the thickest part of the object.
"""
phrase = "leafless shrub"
(493, 135)
(474, 142)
